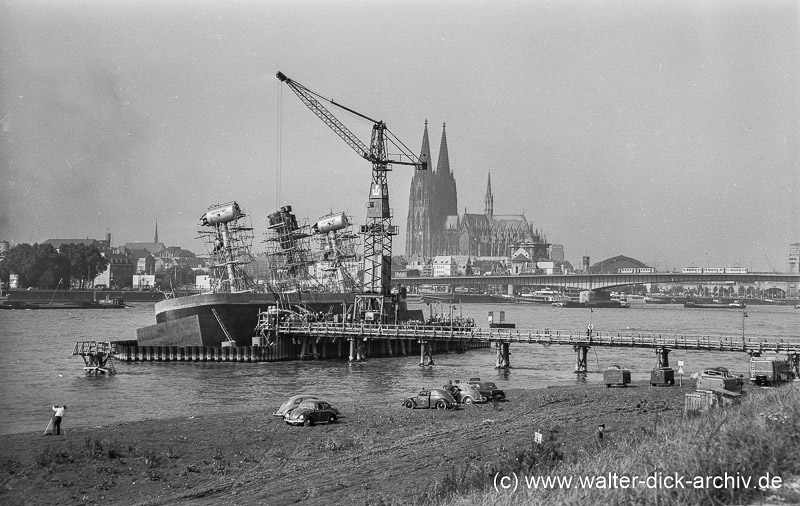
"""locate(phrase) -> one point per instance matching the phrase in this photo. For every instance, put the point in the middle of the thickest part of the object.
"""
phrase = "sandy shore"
(375, 454)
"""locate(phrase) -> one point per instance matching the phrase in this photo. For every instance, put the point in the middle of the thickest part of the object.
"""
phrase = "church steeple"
(443, 165)
(488, 200)
(420, 208)
(155, 238)
(446, 195)
(425, 152)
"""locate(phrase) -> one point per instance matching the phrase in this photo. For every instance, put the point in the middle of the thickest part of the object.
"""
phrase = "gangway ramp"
(98, 356)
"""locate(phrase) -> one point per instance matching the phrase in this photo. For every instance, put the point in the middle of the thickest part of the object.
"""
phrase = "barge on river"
(229, 314)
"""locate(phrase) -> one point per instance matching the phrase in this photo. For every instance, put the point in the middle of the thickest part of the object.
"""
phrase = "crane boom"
(379, 230)
(308, 98)
(377, 152)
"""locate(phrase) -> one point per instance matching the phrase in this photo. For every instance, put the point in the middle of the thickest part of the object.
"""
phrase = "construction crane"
(378, 230)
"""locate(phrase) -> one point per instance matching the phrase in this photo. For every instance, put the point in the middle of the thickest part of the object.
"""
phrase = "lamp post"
(744, 315)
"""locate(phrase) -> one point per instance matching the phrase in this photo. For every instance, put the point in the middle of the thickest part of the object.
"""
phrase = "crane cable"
(279, 141)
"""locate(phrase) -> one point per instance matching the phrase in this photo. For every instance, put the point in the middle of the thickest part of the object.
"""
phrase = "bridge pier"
(663, 357)
(503, 356)
(356, 350)
(425, 351)
(309, 352)
(582, 350)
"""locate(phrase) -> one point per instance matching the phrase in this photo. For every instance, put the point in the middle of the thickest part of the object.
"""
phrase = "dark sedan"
(434, 398)
(488, 389)
(312, 412)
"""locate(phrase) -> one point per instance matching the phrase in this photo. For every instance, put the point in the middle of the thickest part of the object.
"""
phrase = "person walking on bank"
(598, 436)
(57, 419)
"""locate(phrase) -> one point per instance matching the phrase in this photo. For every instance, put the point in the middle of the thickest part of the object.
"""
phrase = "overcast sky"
(665, 131)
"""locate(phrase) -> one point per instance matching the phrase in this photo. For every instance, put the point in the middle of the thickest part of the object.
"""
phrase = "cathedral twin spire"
(443, 164)
(488, 200)
(435, 227)
(425, 151)
(433, 198)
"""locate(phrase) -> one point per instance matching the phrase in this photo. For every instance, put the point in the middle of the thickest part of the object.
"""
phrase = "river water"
(38, 370)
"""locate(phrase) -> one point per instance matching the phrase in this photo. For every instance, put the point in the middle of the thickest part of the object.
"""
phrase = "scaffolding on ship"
(292, 265)
(288, 253)
(338, 262)
(228, 237)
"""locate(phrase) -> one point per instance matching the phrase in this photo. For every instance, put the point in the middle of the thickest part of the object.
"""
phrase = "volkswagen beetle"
(312, 412)
(434, 398)
(292, 402)
(468, 394)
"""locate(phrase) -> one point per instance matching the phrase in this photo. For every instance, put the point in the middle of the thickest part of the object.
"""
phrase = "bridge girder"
(601, 281)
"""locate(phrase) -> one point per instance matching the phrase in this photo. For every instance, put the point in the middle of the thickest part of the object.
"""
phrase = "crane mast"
(378, 231)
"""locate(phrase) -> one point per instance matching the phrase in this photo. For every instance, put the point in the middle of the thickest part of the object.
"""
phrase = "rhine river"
(38, 370)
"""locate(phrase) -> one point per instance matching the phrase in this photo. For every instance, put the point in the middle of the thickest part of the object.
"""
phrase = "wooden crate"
(699, 401)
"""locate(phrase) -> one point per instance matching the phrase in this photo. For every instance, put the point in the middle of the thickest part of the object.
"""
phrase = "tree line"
(43, 266)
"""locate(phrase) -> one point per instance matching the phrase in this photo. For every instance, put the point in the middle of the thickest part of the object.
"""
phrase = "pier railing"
(540, 336)
(94, 348)
(98, 356)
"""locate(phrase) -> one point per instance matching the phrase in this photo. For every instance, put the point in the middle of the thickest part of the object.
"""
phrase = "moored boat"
(714, 305)
(545, 296)
(229, 311)
(313, 287)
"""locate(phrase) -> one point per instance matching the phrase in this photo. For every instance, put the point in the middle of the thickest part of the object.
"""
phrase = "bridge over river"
(602, 281)
(502, 337)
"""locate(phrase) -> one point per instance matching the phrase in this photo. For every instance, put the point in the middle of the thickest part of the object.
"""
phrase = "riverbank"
(376, 454)
(36, 296)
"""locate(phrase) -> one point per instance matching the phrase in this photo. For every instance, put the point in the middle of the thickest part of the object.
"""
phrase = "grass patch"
(333, 444)
(99, 449)
(51, 458)
(742, 444)
(474, 475)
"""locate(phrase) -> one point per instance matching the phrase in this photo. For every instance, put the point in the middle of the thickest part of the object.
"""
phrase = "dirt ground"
(375, 454)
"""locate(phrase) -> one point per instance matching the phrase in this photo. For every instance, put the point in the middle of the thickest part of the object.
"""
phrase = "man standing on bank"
(57, 418)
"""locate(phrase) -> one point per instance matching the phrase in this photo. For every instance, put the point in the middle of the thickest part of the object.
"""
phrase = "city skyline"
(663, 132)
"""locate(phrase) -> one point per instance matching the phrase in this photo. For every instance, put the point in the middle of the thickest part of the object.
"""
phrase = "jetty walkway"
(356, 341)
(543, 336)
(661, 343)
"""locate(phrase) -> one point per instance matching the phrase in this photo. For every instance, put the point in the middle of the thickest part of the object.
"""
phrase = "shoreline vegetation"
(385, 454)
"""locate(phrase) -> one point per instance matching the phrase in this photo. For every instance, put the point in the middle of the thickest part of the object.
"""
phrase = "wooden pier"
(328, 340)
(581, 342)
(544, 337)
(286, 348)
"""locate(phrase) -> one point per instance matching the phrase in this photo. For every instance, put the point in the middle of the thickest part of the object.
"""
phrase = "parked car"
(292, 403)
(434, 398)
(464, 393)
(311, 412)
(488, 389)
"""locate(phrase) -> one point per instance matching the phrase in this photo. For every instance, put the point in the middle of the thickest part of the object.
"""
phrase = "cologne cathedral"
(435, 227)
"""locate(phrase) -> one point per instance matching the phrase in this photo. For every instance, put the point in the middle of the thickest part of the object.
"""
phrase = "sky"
(666, 131)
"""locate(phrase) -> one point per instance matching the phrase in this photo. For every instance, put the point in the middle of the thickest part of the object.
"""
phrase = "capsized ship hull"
(190, 321)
